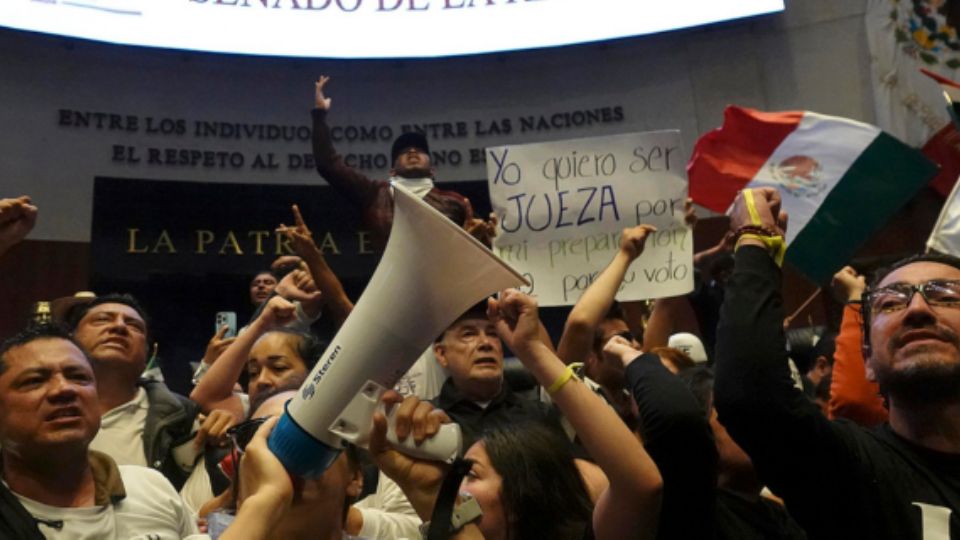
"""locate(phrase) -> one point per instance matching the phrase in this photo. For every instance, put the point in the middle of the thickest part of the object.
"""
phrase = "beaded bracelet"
(756, 231)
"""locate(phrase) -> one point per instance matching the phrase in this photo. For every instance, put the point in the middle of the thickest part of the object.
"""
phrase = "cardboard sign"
(563, 205)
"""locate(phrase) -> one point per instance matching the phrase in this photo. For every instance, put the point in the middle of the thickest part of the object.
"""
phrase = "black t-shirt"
(740, 518)
(838, 479)
(678, 437)
(506, 408)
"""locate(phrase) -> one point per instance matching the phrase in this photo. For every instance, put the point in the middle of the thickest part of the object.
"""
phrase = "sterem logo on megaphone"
(310, 388)
(431, 272)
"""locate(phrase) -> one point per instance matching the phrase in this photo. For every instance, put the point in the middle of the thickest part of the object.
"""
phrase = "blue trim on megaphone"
(299, 451)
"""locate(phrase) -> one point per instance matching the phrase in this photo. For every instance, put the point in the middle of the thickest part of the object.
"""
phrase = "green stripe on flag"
(882, 179)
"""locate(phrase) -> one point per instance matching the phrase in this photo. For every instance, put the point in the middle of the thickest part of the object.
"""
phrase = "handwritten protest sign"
(562, 206)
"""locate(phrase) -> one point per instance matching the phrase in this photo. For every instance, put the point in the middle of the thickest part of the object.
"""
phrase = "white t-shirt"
(424, 379)
(387, 514)
(121, 431)
(121, 438)
(197, 489)
(151, 510)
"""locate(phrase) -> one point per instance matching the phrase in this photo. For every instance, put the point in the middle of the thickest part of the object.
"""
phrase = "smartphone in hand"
(228, 318)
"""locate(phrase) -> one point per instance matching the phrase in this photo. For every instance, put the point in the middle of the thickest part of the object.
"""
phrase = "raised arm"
(17, 218)
(334, 297)
(756, 401)
(752, 372)
(266, 491)
(676, 434)
(852, 396)
(215, 389)
(353, 185)
(630, 506)
(669, 316)
(673, 314)
(595, 302)
(320, 99)
(701, 259)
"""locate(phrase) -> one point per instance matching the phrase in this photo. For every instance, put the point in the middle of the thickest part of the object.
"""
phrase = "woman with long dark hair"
(524, 481)
(528, 471)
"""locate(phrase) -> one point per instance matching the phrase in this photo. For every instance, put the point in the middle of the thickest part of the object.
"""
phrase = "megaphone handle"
(355, 420)
(444, 446)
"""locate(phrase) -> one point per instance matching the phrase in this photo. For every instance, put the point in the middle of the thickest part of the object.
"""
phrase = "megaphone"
(431, 272)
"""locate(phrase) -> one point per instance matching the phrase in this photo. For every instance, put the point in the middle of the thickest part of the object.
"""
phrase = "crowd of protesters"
(691, 419)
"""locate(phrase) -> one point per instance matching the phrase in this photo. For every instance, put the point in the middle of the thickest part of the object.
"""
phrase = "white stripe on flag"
(809, 163)
(945, 236)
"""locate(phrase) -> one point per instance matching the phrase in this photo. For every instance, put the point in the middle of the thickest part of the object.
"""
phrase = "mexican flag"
(840, 180)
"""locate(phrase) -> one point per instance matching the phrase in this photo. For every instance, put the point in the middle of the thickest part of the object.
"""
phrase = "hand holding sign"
(632, 240)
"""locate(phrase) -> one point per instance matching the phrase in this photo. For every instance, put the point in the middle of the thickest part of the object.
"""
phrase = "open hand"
(321, 101)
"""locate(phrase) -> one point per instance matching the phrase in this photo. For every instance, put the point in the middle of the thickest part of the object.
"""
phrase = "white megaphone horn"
(431, 272)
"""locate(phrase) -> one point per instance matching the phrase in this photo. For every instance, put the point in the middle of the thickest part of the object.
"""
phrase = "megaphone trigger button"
(345, 428)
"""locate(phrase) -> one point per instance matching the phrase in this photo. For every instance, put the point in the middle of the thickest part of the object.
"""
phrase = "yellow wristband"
(751, 207)
(774, 244)
(563, 379)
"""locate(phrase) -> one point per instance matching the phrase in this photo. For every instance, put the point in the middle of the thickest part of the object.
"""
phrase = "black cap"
(408, 140)
(476, 311)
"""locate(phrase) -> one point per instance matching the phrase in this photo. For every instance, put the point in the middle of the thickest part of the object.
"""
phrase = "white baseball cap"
(689, 344)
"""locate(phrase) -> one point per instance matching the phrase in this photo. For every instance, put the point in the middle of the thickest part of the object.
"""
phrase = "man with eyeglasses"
(839, 480)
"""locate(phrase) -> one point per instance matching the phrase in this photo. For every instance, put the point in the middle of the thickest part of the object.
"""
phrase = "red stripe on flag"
(939, 78)
(725, 159)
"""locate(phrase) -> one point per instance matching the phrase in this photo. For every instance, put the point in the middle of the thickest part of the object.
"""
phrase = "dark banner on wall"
(188, 249)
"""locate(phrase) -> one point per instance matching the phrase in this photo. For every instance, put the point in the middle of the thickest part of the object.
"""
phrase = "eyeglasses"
(241, 434)
(937, 292)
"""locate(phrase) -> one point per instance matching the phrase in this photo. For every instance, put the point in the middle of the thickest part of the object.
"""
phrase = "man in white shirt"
(48, 417)
(143, 422)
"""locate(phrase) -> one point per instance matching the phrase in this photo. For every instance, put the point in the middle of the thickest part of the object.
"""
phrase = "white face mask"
(419, 186)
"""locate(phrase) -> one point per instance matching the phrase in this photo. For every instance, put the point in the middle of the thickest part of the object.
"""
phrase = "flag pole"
(802, 307)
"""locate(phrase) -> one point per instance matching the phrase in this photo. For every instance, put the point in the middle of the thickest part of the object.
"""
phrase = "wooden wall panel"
(39, 270)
